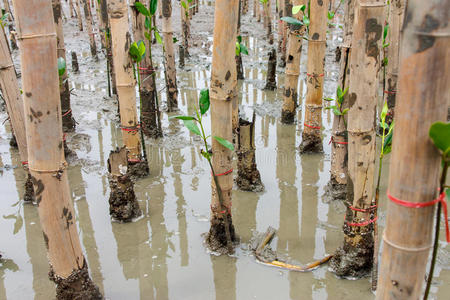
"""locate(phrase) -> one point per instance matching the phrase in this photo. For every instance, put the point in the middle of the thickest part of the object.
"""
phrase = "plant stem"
(436, 232)
(375, 226)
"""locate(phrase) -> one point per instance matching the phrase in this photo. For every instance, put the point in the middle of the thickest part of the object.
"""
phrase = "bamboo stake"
(258, 10)
(315, 69)
(339, 140)
(294, 50)
(47, 165)
(121, 41)
(109, 57)
(271, 83)
(283, 11)
(238, 58)
(422, 99)
(396, 15)
(169, 57)
(68, 121)
(72, 9)
(355, 258)
(88, 17)
(185, 31)
(222, 94)
(268, 21)
(80, 18)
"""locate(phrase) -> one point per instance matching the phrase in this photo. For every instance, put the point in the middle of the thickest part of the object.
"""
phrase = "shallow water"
(161, 255)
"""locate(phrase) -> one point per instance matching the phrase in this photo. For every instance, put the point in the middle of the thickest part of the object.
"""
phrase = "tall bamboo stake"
(185, 31)
(285, 10)
(72, 9)
(222, 94)
(294, 50)
(238, 58)
(311, 137)
(109, 57)
(169, 56)
(80, 17)
(339, 140)
(68, 121)
(422, 99)
(88, 17)
(268, 21)
(355, 258)
(40, 82)
(14, 106)
(257, 4)
(396, 15)
(121, 41)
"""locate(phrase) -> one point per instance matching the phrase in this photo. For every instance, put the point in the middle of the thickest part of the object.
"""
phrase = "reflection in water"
(224, 270)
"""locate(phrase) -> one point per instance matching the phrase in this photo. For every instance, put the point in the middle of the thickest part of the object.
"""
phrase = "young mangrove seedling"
(240, 49)
(191, 124)
(440, 135)
(337, 109)
(305, 21)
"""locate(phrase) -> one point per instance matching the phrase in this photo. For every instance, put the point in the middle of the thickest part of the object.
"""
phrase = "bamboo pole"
(315, 69)
(271, 83)
(68, 121)
(169, 57)
(339, 140)
(68, 268)
(109, 57)
(258, 10)
(423, 98)
(395, 21)
(355, 258)
(88, 17)
(238, 58)
(222, 94)
(72, 9)
(285, 10)
(294, 49)
(185, 30)
(121, 41)
(268, 21)
(79, 16)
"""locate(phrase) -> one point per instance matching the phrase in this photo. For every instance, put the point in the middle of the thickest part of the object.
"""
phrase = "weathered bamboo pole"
(312, 136)
(149, 111)
(222, 94)
(185, 30)
(109, 58)
(75, 66)
(79, 16)
(355, 258)
(169, 57)
(90, 31)
(285, 10)
(258, 10)
(14, 106)
(395, 21)
(68, 122)
(121, 42)
(101, 24)
(238, 58)
(294, 50)
(268, 21)
(40, 83)
(337, 185)
(271, 83)
(244, 7)
(248, 177)
(423, 96)
(72, 9)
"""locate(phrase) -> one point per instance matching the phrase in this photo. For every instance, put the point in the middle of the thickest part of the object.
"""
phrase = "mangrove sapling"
(240, 49)
(150, 113)
(191, 124)
(294, 49)
(338, 109)
(440, 135)
(386, 146)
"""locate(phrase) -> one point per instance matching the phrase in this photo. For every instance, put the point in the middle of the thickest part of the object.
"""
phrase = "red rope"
(24, 163)
(440, 199)
(365, 223)
(64, 137)
(131, 129)
(66, 113)
(310, 126)
(390, 92)
(365, 210)
(148, 70)
(225, 173)
(314, 75)
(337, 142)
(134, 160)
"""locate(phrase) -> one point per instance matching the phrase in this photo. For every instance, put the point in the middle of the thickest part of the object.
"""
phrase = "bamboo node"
(408, 249)
(34, 36)
(6, 67)
(57, 173)
(433, 34)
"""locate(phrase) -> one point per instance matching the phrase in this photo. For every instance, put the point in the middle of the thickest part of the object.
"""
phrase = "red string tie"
(134, 160)
(64, 137)
(225, 173)
(24, 163)
(365, 210)
(337, 142)
(310, 126)
(314, 75)
(131, 128)
(440, 199)
(390, 92)
(148, 70)
(365, 223)
(66, 113)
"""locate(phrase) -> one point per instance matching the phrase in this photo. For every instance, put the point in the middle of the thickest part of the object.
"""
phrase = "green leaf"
(148, 36)
(141, 48)
(153, 6)
(238, 48)
(182, 118)
(206, 155)
(61, 66)
(244, 49)
(184, 5)
(147, 23)
(239, 39)
(336, 111)
(174, 40)
(385, 31)
(447, 191)
(328, 99)
(330, 15)
(339, 92)
(384, 112)
(292, 20)
(388, 141)
(344, 111)
(142, 9)
(203, 102)
(192, 126)
(224, 143)
(306, 20)
(296, 9)
(440, 134)
(134, 52)
(158, 37)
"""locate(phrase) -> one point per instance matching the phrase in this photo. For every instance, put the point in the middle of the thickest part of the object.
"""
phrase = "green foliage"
(224, 142)
(292, 21)
(386, 140)
(385, 33)
(203, 102)
(240, 48)
(137, 51)
(297, 8)
(337, 109)
(158, 36)
(4, 18)
(142, 9)
(263, 1)
(61, 66)
(330, 15)
(153, 6)
(440, 135)
(192, 126)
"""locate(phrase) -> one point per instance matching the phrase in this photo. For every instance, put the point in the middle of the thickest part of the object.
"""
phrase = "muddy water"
(161, 255)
